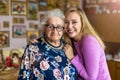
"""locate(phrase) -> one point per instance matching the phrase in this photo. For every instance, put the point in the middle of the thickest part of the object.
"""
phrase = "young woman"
(89, 58)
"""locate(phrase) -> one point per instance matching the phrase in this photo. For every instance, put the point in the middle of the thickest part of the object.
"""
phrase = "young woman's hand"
(69, 51)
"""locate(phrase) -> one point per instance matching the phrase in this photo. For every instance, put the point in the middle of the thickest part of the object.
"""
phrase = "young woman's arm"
(91, 57)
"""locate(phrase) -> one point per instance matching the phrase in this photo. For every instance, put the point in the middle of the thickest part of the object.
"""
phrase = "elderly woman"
(46, 60)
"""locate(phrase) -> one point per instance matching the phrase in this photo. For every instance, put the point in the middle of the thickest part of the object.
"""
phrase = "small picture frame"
(41, 16)
(21, 20)
(33, 34)
(42, 4)
(18, 8)
(32, 12)
(33, 25)
(6, 24)
(4, 39)
(19, 31)
(15, 20)
(4, 7)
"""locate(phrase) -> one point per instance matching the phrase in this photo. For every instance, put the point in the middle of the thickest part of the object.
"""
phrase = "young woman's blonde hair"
(86, 26)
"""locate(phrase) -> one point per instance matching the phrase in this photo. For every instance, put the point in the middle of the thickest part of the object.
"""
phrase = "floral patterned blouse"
(42, 61)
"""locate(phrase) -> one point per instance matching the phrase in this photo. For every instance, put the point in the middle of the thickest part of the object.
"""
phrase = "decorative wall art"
(41, 16)
(19, 31)
(17, 20)
(6, 24)
(18, 8)
(32, 35)
(21, 20)
(32, 13)
(42, 4)
(4, 39)
(33, 25)
(4, 9)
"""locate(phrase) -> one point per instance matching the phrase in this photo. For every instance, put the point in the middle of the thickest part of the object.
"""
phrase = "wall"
(16, 43)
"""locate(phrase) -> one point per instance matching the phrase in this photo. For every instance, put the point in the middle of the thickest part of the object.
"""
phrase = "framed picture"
(21, 20)
(18, 8)
(2, 61)
(6, 24)
(32, 34)
(4, 7)
(42, 4)
(19, 31)
(15, 20)
(41, 16)
(33, 25)
(15, 56)
(32, 12)
(4, 39)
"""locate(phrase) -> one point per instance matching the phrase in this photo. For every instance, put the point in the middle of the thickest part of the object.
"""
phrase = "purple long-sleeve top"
(90, 60)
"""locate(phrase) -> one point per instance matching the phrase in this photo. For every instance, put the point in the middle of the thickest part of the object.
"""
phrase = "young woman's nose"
(70, 25)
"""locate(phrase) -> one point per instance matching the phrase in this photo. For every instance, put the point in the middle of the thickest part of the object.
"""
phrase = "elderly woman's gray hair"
(52, 13)
(48, 14)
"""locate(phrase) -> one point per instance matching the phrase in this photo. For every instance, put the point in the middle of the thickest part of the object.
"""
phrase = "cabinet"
(114, 69)
(111, 67)
(118, 71)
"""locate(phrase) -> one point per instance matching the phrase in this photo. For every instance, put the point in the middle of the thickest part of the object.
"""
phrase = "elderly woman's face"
(54, 28)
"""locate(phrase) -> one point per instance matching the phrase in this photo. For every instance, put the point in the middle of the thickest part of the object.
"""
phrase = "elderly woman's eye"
(60, 27)
(50, 26)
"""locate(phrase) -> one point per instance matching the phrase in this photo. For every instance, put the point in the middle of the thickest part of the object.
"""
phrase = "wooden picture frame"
(15, 20)
(6, 24)
(33, 25)
(42, 4)
(18, 8)
(41, 16)
(33, 34)
(19, 31)
(4, 7)
(32, 12)
(4, 39)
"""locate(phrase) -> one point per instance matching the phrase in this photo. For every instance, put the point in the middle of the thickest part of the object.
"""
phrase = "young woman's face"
(54, 29)
(73, 25)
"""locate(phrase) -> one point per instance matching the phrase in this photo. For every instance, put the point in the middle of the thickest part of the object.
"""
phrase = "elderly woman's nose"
(55, 29)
